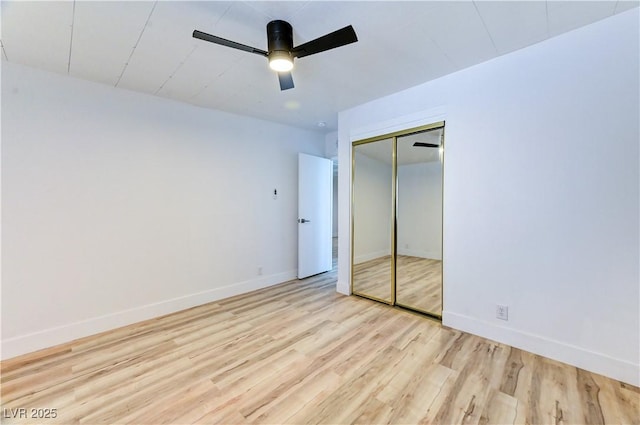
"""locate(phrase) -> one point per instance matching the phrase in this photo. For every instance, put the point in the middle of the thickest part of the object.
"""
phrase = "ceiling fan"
(280, 47)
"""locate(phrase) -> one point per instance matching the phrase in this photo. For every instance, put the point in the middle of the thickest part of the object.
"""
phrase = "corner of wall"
(596, 362)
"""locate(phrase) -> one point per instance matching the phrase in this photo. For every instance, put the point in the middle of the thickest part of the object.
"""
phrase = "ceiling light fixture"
(280, 61)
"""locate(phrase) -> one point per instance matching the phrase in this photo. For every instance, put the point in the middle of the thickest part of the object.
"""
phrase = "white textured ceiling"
(147, 46)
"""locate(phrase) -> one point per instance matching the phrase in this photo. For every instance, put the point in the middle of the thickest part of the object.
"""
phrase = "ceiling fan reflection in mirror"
(280, 47)
(425, 145)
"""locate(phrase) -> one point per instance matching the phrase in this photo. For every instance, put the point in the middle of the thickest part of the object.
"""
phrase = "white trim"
(428, 254)
(576, 356)
(28, 343)
(371, 256)
(404, 122)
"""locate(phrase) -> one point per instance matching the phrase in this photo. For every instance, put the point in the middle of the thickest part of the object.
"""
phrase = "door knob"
(304, 220)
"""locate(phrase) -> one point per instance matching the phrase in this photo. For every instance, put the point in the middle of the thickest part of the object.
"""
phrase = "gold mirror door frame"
(409, 273)
(419, 210)
(372, 218)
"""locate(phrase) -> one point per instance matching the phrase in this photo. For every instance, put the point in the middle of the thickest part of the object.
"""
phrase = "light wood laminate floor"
(418, 284)
(299, 353)
(373, 278)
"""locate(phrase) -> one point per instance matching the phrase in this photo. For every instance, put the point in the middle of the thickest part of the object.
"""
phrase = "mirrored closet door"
(419, 221)
(372, 220)
(397, 218)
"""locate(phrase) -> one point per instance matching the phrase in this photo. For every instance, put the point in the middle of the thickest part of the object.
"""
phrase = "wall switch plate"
(502, 312)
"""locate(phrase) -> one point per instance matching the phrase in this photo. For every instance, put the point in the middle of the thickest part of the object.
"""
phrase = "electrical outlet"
(502, 312)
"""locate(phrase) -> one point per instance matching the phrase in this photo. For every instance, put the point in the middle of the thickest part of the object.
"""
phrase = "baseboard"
(431, 255)
(370, 256)
(28, 343)
(576, 356)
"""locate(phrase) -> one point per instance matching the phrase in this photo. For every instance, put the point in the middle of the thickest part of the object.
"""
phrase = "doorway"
(315, 242)
(397, 217)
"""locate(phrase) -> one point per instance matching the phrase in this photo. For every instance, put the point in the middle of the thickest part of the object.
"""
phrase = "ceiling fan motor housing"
(279, 38)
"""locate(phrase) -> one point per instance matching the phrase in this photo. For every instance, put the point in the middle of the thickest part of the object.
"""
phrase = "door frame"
(394, 201)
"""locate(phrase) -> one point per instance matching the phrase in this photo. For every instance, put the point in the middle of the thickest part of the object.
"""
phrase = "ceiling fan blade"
(224, 42)
(286, 80)
(425, 145)
(341, 37)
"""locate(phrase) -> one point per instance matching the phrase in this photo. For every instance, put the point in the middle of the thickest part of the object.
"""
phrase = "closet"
(396, 218)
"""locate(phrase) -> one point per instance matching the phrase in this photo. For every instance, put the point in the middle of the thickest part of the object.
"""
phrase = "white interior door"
(315, 214)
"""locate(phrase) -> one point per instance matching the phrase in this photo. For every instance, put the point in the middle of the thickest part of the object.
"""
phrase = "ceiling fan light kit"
(280, 47)
(280, 61)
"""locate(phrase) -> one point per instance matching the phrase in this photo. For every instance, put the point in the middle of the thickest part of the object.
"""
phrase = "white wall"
(372, 188)
(331, 151)
(331, 145)
(541, 194)
(334, 215)
(419, 232)
(118, 206)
